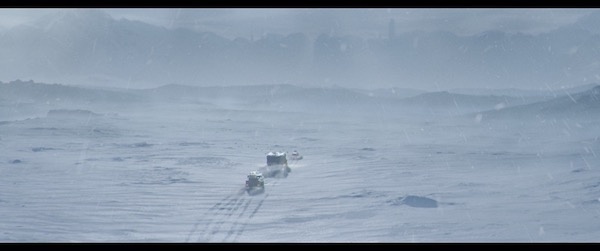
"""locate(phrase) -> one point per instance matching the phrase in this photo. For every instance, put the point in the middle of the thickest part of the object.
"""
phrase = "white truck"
(255, 183)
(277, 165)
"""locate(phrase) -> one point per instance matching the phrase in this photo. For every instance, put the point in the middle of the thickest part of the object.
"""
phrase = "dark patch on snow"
(450, 203)
(71, 113)
(201, 144)
(292, 219)
(308, 218)
(45, 128)
(368, 149)
(91, 159)
(141, 144)
(364, 194)
(41, 149)
(205, 161)
(307, 139)
(105, 132)
(592, 202)
(594, 185)
(118, 159)
(359, 195)
(16, 161)
(578, 170)
(159, 175)
(415, 201)
(469, 184)
(501, 153)
(135, 145)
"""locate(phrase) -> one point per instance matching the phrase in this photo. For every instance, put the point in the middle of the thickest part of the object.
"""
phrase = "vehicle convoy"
(255, 183)
(277, 165)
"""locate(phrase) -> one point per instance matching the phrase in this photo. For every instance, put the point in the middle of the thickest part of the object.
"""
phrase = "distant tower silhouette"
(392, 29)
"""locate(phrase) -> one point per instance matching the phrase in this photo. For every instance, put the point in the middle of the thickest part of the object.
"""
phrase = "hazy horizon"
(364, 22)
(432, 49)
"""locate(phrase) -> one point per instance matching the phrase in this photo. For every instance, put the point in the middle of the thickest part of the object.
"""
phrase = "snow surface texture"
(173, 170)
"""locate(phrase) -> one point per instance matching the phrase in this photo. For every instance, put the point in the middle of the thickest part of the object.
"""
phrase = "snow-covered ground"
(174, 172)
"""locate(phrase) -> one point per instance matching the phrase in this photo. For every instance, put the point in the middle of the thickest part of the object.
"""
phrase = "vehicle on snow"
(295, 155)
(277, 165)
(255, 183)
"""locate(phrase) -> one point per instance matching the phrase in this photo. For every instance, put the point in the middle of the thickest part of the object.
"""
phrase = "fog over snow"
(116, 127)
(429, 49)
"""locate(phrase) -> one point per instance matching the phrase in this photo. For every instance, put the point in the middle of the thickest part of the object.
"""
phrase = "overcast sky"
(246, 22)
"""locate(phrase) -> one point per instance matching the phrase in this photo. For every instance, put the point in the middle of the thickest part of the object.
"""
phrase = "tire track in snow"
(241, 230)
(221, 213)
(195, 228)
(215, 229)
(236, 223)
(217, 219)
(215, 213)
(257, 207)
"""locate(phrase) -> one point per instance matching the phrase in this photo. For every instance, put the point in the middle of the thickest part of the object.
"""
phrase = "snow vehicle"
(295, 156)
(277, 165)
(255, 183)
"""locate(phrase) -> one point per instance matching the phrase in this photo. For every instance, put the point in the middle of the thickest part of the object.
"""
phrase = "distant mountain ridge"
(88, 47)
(32, 92)
(582, 104)
(514, 92)
(295, 98)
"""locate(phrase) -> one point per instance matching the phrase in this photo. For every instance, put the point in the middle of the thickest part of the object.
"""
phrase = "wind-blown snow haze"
(117, 126)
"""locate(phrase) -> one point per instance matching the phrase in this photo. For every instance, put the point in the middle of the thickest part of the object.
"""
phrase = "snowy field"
(174, 172)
